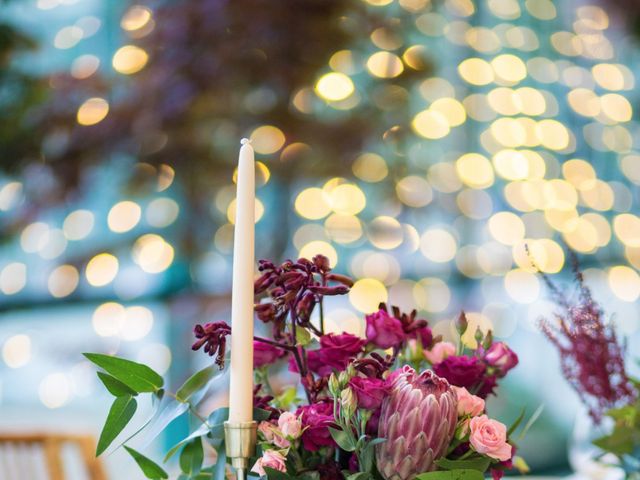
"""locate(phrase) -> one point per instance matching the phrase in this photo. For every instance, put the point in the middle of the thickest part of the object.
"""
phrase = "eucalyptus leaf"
(166, 413)
(150, 469)
(516, 423)
(531, 421)
(460, 474)
(121, 411)
(479, 463)
(115, 386)
(196, 382)
(198, 433)
(192, 456)
(344, 440)
(136, 376)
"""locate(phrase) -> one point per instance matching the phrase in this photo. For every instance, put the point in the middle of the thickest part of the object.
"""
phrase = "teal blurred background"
(419, 144)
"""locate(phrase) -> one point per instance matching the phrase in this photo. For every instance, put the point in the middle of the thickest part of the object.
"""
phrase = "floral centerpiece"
(399, 404)
(592, 361)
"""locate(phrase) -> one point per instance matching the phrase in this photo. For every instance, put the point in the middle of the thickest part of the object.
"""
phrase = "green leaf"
(119, 415)
(166, 413)
(461, 474)
(196, 382)
(191, 457)
(150, 469)
(344, 440)
(216, 422)
(620, 442)
(480, 463)
(359, 476)
(516, 423)
(198, 433)
(303, 337)
(134, 375)
(115, 386)
(260, 414)
(273, 474)
(531, 421)
(286, 398)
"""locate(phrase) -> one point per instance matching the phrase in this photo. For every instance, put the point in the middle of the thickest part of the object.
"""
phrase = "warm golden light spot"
(475, 170)
(597, 194)
(101, 269)
(385, 233)
(124, 216)
(416, 57)
(616, 107)
(562, 220)
(624, 283)
(559, 194)
(504, 101)
(267, 139)
(543, 254)
(438, 245)
(370, 167)
(581, 235)
(608, 76)
(507, 228)
(509, 68)
(16, 351)
(601, 224)
(135, 18)
(567, 43)
(482, 39)
(34, 237)
(552, 134)
(343, 61)
(385, 65)
(578, 172)
(531, 101)
(63, 280)
(627, 229)
(522, 286)
(346, 198)
(432, 295)
(541, 9)
(129, 59)
(366, 294)
(334, 86)
(78, 224)
(343, 228)
(92, 111)
(630, 165)
(509, 132)
(451, 109)
(108, 319)
(303, 100)
(319, 247)
(258, 211)
(414, 191)
(461, 8)
(477, 107)
(596, 16)
(386, 39)
(443, 177)
(84, 66)
(505, 9)
(476, 71)
(152, 253)
(13, 278)
(511, 164)
(430, 124)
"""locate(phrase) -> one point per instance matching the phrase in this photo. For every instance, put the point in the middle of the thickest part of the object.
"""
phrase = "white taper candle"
(241, 369)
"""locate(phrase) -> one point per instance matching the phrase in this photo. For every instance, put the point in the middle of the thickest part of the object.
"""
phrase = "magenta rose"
(369, 391)
(461, 371)
(316, 420)
(383, 330)
(423, 334)
(501, 357)
(265, 354)
(334, 354)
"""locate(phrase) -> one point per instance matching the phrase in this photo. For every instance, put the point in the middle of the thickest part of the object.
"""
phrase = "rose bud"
(501, 357)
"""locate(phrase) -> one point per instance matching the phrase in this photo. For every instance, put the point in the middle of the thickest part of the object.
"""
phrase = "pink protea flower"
(418, 420)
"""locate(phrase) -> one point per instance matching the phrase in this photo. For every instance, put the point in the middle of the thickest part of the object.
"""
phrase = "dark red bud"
(340, 279)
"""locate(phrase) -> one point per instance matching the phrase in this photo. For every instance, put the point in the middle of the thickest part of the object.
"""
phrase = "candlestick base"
(240, 445)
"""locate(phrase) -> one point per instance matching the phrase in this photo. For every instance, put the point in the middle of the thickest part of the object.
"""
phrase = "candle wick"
(244, 141)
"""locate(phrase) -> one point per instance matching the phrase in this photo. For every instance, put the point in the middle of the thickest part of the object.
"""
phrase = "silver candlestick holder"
(240, 445)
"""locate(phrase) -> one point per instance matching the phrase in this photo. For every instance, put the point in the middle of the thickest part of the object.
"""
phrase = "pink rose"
(489, 437)
(271, 459)
(383, 330)
(290, 428)
(501, 357)
(439, 352)
(266, 429)
(468, 404)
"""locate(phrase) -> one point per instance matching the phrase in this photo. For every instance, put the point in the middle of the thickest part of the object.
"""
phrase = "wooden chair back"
(44, 456)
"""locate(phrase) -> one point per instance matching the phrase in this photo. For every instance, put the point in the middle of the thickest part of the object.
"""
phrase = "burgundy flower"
(424, 334)
(383, 330)
(501, 357)
(316, 419)
(462, 371)
(213, 336)
(369, 391)
(334, 354)
(265, 354)
(330, 471)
